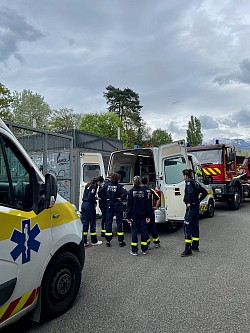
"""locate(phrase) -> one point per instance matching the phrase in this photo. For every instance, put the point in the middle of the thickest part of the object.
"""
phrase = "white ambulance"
(163, 167)
(41, 249)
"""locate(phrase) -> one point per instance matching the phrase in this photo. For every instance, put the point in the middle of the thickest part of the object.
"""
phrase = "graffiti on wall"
(59, 164)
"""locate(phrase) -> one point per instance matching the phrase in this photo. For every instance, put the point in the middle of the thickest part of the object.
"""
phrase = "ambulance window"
(173, 167)
(124, 172)
(90, 171)
(14, 178)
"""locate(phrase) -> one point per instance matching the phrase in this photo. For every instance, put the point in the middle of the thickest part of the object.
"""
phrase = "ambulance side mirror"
(50, 190)
(44, 194)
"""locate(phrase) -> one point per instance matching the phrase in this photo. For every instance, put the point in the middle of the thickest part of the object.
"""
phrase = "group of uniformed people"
(141, 202)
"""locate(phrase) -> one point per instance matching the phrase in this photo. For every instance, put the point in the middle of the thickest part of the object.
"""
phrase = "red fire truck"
(244, 173)
(219, 164)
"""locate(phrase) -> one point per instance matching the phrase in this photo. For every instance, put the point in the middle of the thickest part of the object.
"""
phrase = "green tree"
(160, 137)
(194, 135)
(125, 103)
(64, 119)
(28, 107)
(5, 101)
(105, 124)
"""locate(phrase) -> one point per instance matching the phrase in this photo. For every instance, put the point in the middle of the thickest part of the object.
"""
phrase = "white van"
(163, 166)
(91, 165)
(41, 249)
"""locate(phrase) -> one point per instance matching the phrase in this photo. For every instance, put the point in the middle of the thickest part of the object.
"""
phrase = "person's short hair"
(137, 180)
(115, 177)
(144, 180)
(188, 173)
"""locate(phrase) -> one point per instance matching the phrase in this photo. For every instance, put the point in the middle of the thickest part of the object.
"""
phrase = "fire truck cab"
(219, 164)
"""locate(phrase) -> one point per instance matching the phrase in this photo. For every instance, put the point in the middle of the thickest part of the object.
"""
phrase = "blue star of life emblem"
(25, 241)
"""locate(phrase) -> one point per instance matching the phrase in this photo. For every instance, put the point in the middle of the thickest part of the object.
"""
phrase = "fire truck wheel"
(60, 285)
(210, 209)
(234, 204)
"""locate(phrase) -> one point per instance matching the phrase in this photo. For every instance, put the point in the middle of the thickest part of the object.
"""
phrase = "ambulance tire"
(210, 209)
(60, 285)
(172, 226)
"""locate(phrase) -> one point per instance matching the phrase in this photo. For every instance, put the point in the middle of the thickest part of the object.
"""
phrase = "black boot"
(188, 251)
(195, 246)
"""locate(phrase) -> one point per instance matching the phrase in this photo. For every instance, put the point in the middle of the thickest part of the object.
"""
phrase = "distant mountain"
(239, 144)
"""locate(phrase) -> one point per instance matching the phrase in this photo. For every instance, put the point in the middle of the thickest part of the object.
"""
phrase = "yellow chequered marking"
(45, 220)
(212, 171)
(217, 170)
(18, 304)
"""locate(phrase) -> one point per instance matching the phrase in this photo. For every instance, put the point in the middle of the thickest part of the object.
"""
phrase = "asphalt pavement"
(162, 291)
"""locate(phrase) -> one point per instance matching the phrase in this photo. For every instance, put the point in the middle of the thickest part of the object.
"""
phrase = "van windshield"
(173, 167)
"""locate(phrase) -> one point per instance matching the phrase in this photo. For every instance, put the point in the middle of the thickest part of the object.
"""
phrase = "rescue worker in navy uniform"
(88, 216)
(115, 194)
(154, 202)
(194, 193)
(138, 215)
(103, 203)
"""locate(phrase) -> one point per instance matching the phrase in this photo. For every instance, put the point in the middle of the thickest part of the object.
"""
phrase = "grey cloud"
(228, 122)
(240, 76)
(13, 30)
(242, 117)
(175, 128)
(208, 122)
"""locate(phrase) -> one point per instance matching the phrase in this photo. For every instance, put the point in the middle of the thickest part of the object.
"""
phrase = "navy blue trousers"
(103, 208)
(151, 226)
(117, 211)
(191, 224)
(139, 222)
(88, 219)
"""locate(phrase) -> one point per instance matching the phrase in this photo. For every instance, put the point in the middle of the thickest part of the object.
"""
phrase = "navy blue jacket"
(89, 194)
(194, 192)
(102, 195)
(138, 202)
(115, 193)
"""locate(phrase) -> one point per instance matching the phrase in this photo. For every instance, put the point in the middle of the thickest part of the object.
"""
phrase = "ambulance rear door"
(91, 165)
(25, 238)
(172, 159)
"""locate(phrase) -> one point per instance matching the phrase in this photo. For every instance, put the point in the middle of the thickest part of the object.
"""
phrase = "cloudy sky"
(183, 58)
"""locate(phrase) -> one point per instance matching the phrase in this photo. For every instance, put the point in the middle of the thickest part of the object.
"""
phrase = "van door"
(25, 238)
(91, 166)
(172, 159)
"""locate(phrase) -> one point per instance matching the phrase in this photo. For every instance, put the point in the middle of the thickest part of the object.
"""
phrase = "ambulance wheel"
(60, 285)
(172, 226)
(210, 209)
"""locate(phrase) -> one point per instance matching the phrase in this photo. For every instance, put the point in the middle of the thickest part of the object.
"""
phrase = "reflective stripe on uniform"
(195, 238)
(144, 243)
(156, 239)
(108, 234)
(85, 233)
(134, 244)
(120, 233)
(104, 231)
(188, 241)
(92, 233)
